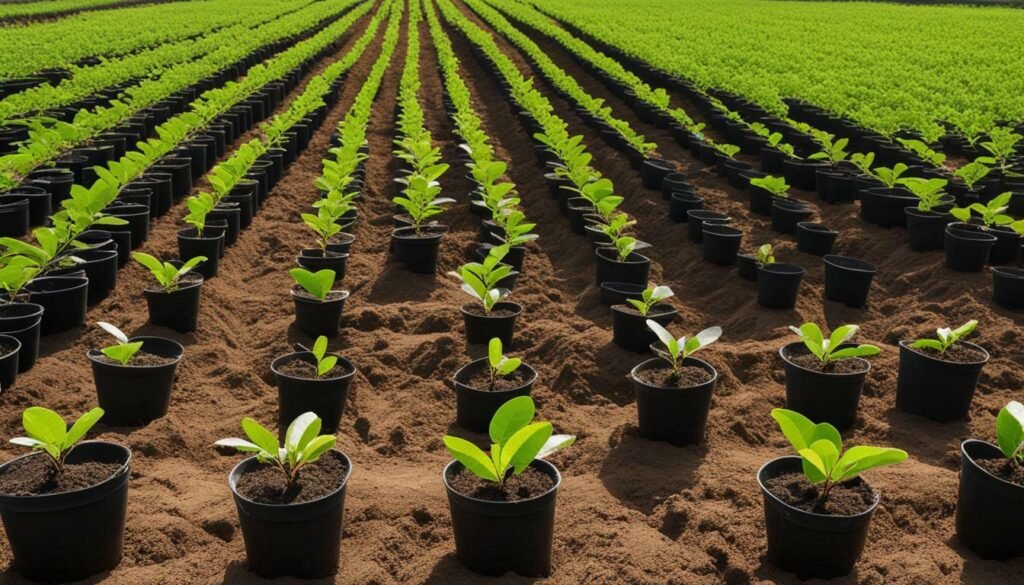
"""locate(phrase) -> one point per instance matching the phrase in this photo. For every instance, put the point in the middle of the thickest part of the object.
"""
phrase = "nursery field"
(333, 228)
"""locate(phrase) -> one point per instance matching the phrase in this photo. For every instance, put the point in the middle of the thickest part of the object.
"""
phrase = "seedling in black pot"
(320, 312)
(493, 317)
(175, 303)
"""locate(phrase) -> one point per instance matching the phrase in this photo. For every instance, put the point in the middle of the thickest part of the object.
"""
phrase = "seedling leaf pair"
(303, 444)
(319, 283)
(48, 432)
(827, 350)
(324, 363)
(946, 337)
(651, 296)
(124, 350)
(674, 351)
(498, 364)
(167, 275)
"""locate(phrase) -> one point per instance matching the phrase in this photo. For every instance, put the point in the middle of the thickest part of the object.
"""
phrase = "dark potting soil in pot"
(845, 499)
(689, 376)
(35, 475)
(1004, 469)
(478, 310)
(331, 296)
(846, 366)
(956, 353)
(481, 380)
(654, 312)
(267, 484)
(6, 348)
(298, 368)
(140, 359)
(528, 484)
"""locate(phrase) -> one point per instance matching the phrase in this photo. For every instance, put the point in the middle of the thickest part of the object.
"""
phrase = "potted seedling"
(629, 321)
(926, 221)
(884, 206)
(175, 302)
(990, 237)
(416, 245)
(326, 227)
(673, 390)
(485, 384)
(312, 381)
(937, 377)
(970, 174)
(824, 377)
(817, 508)
(493, 316)
(290, 498)
(317, 305)
(621, 263)
(134, 377)
(747, 264)
(198, 241)
(502, 501)
(990, 507)
(765, 191)
(63, 506)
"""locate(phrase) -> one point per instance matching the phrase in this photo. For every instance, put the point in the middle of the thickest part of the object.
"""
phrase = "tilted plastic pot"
(989, 509)
(133, 395)
(936, 389)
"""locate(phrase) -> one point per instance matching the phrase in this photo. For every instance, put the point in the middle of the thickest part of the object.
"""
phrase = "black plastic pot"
(1008, 287)
(578, 207)
(801, 174)
(786, 214)
(675, 183)
(178, 309)
(315, 260)
(100, 267)
(936, 389)
(884, 207)
(230, 215)
(481, 329)
(9, 362)
(72, 535)
(28, 336)
(695, 221)
(761, 200)
(747, 265)
(493, 538)
(653, 171)
(814, 238)
(634, 270)
(989, 510)
(629, 328)
(616, 293)
(39, 208)
(315, 318)
(967, 249)
(64, 301)
(293, 540)
(926, 230)
(190, 245)
(323, 396)
(418, 254)
(1006, 250)
(848, 280)
(676, 415)
(680, 203)
(822, 396)
(137, 216)
(721, 244)
(778, 285)
(13, 216)
(814, 546)
(475, 408)
(136, 395)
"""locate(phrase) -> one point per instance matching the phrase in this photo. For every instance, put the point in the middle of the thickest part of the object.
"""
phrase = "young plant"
(923, 151)
(827, 350)
(728, 150)
(674, 351)
(775, 141)
(929, 192)
(889, 177)
(199, 206)
(1010, 431)
(303, 444)
(324, 225)
(318, 284)
(516, 442)
(167, 275)
(420, 197)
(863, 162)
(832, 151)
(820, 446)
(775, 185)
(498, 365)
(765, 255)
(48, 432)
(480, 280)
(991, 214)
(624, 246)
(972, 172)
(946, 337)
(324, 363)
(124, 350)
(517, 230)
(650, 297)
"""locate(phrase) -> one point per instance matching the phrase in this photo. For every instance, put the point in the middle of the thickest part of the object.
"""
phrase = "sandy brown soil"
(630, 511)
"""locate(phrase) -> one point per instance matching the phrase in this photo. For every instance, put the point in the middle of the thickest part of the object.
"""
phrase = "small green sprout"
(946, 337)
(676, 350)
(651, 296)
(324, 363)
(318, 284)
(1010, 431)
(499, 366)
(167, 275)
(765, 255)
(47, 431)
(303, 444)
(827, 350)
(124, 350)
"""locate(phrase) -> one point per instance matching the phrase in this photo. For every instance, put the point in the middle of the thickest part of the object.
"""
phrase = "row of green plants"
(46, 140)
(43, 9)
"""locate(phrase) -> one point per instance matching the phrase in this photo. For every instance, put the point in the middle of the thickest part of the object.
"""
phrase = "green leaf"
(554, 443)
(1010, 429)
(510, 417)
(301, 431)
(82, 426)
(326, 365)
(928, 344)
(802, 432)
(522, 447)
(318, 284)
(494, 352)
(859, 459)
(470, 456)
(44, 425)
(859, 351)
(320, 347)
(317, 447)
(260, 436)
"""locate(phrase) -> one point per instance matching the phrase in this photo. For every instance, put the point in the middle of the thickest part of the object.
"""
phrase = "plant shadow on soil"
(449, 571)
(677, 469)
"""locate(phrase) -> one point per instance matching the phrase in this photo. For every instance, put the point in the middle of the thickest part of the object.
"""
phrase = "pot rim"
(91, 354)
(519, 310)
(439, 229)
(279, 360)
(811, 226)
(1012, 272)
(235, 473)
(906, 345)
(796, 344)
(783, 268)
(640, 258)
(669, 310)
(483, 361)
(43, 497)
(834, 260)
(182, 284)
(964, 453)
(641, 365)
(798, 511)
(297, 287)
(554, 487)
